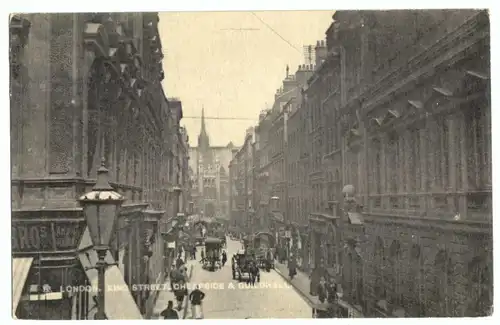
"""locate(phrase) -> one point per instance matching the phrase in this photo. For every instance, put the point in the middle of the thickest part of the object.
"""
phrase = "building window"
(414, 283)
(442, 163)
(480, 287)
(478, 137)
(376, 178)
(392, 159)
(395, 263)
(379, 262)
(439, 304)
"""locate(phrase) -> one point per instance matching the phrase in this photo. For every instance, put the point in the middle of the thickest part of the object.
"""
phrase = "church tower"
(204, 142)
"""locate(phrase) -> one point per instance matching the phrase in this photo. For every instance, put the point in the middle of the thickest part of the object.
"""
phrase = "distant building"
(210, 167)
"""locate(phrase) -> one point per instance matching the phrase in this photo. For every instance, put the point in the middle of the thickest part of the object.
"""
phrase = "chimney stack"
(302, 75)
(262, 116)
(321, 52)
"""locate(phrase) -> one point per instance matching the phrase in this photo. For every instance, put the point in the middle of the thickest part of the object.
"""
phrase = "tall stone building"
(395, 165)
(277, 161)
(408, 126)
(243, 190)
(86, 87)
(210, 168)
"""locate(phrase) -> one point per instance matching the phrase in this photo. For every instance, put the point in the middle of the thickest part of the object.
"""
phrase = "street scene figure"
(292, 267)
(196, 298)
(341, 159)
(170, 312)
(322, 290)
(202, 256)
(224, 258)
(193, 253)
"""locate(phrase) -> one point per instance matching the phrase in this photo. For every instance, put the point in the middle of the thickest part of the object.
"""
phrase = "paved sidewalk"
(301, 283)
(166, 294)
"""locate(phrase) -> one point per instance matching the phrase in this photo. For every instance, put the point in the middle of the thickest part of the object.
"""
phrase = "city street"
(225, 298)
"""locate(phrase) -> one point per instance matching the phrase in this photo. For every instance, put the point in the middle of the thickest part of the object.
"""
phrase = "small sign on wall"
(171, 245)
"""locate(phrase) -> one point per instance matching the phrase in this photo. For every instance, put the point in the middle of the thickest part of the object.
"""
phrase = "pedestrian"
(292, 267)
(194, 253)
(196, 298)
(322, 290)
(170, 312)
(180, 291)
(179, 262)
(174, 276)
(224, 258)
(331, 290)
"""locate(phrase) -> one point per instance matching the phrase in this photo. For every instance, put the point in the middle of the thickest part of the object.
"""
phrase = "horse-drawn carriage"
(199, 240)
(223, 240)
(244, 267)
(263, 244)
(212, 253)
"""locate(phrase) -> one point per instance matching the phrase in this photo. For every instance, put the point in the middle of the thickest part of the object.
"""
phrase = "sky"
(231, 63)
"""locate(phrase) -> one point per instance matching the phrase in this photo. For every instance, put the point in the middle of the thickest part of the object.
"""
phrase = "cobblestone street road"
(226, 298)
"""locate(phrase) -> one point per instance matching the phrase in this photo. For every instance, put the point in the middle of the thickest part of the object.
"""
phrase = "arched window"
(347, 274)
(395, 262)
(414, 282)
(439, 304)
(357, 276)
(332, 259)
(480, 288)
(379, 262)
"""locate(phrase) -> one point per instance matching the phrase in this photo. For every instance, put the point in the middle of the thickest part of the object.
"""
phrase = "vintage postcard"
(236, 165)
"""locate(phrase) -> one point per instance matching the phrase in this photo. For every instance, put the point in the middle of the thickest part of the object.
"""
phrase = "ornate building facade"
(210, 166)
(408, 125)
(243, 190)
(393, 174)
(86, 87)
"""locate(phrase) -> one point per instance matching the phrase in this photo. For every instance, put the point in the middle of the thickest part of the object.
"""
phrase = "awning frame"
(20, 270)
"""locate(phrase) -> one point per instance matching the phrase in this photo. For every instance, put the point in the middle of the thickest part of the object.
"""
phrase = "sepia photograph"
(251, 164)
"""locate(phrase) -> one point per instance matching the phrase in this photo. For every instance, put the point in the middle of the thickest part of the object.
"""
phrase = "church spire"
(203, 128)
(203, 141)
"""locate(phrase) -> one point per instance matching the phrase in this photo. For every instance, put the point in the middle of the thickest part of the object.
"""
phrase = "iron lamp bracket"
(96, 267)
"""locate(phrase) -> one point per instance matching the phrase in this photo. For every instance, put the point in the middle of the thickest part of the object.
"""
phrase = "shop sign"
(43, 236)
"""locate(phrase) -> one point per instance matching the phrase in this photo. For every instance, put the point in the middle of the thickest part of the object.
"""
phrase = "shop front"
(169, 242)
(153, 269)
(323, 248)
(44, 263)
(52, 279)
(303, 250)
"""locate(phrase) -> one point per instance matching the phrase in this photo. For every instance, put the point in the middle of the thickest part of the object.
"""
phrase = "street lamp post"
(101, 207)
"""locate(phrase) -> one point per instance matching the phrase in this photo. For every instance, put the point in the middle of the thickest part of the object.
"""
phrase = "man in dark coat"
(224, 258)
(292, 267)
(322, 290)
(196, 297)
(170, 312)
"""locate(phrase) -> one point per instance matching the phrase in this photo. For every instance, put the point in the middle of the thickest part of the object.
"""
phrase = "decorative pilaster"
(19, 29)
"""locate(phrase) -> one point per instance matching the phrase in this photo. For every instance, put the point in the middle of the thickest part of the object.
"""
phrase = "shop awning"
(119, 301)
(278, 216)
(355, 218)
(212, 240)
(20, 269)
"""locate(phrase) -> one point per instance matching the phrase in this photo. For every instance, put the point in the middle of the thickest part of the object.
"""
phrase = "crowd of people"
(178, 285)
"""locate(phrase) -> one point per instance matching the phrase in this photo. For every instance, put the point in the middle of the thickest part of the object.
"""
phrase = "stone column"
(462, 158)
